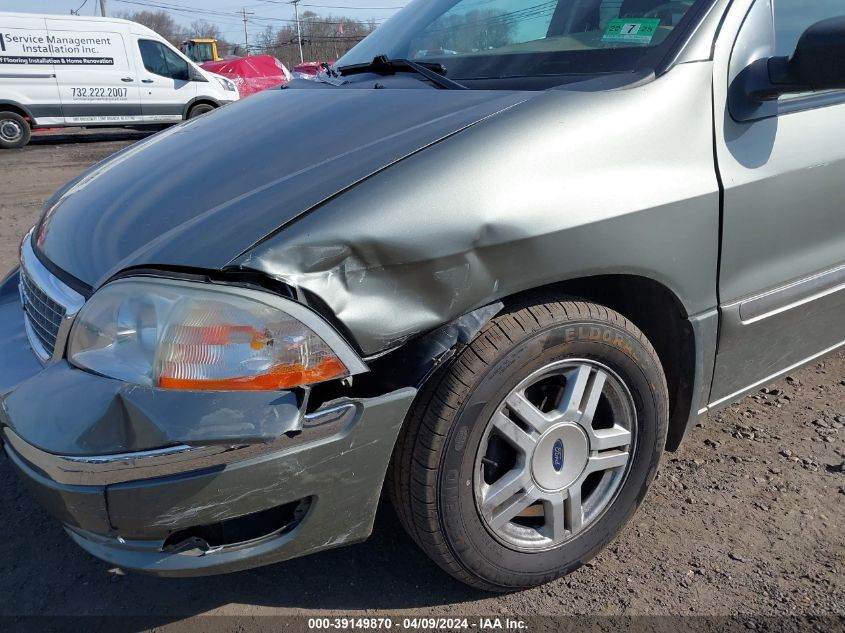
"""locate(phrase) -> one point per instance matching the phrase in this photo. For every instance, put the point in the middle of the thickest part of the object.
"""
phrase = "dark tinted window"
(793, 17)
(178, 67)
(160, 60)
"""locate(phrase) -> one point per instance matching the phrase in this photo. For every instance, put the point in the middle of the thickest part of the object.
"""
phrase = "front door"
(782, 275)
(97, 81)
(166, 82)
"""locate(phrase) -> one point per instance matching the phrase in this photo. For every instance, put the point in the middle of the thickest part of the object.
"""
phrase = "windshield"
(488, 40)
(203, 52)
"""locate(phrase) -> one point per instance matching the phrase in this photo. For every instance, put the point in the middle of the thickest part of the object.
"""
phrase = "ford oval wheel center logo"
(557, 456)
(569, 448)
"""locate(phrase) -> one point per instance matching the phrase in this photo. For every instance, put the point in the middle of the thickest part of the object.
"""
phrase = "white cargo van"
(60, 71)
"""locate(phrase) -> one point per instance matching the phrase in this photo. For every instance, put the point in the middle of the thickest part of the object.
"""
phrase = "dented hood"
(203, 193)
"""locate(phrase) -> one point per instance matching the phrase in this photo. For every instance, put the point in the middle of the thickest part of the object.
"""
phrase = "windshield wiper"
(382, 65)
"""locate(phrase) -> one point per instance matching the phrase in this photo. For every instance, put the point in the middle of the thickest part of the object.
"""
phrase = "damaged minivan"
(492, 264)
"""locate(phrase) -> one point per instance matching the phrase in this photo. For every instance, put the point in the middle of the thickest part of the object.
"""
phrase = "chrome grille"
(43, 315)
(49, 306)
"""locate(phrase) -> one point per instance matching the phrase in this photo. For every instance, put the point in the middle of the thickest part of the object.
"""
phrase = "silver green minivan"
(492, 264)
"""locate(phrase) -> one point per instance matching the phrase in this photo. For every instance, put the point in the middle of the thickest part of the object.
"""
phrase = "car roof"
(139, 29)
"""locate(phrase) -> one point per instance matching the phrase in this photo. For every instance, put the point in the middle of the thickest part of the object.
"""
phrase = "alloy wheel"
(554, 454)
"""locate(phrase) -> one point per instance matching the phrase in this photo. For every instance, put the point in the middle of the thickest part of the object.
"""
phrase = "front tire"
(14, 130)
(199, 110)
(524, 456)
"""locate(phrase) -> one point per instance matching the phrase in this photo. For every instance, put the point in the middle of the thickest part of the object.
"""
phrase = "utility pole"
(246, 15)
(104, 7)
(295, 4)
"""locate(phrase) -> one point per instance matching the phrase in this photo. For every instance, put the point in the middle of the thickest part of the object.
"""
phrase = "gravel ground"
(746, 519)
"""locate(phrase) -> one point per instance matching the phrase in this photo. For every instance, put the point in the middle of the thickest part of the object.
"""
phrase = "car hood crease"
(201, 194)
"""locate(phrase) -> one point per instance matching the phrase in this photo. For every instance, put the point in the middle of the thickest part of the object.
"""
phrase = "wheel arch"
(650, 305)
(660, 314)
(203, 100)
(17, 108)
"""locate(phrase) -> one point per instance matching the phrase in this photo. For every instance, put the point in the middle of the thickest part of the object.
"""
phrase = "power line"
(332, 6)
(81, 6)
(193, 11)
(329, 6)
(311, 40)
(180, 9)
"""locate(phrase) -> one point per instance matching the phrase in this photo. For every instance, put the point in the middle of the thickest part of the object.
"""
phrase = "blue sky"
(221, 12)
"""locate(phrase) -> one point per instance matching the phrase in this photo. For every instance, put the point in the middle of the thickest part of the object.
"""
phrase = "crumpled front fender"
(537, 195)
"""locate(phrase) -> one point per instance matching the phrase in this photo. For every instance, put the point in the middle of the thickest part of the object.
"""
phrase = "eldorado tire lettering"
(461, 438)
(595, 334)
(451, 483)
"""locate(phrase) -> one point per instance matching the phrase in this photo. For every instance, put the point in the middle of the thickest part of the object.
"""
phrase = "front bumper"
(86, 448)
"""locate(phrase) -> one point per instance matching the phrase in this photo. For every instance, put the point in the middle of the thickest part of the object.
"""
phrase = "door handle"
(127, 79)
(147, 81)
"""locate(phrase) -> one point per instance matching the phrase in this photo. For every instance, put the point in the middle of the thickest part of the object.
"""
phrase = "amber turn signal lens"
(286, 377)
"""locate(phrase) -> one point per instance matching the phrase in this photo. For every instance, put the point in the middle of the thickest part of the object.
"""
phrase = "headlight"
(184, 335)
(227, 85)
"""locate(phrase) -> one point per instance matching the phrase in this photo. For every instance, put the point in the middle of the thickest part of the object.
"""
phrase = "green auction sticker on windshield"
(632, 30)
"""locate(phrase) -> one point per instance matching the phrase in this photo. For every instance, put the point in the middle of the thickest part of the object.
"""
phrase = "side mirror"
(817, 64)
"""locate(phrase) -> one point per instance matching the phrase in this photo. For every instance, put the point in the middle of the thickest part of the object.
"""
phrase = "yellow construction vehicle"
(201, 50)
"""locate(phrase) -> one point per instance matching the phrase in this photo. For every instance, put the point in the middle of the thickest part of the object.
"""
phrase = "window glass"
(153, 59)
(483, 25)
(474, 27)
(160, 60)
(177, 66)
(793, 17)
(204, 52)
(511, 39)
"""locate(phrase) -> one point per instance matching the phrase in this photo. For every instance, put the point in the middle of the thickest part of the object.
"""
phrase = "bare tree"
(324, 38)
(204, 29)
(266, 40)
(159, 21)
